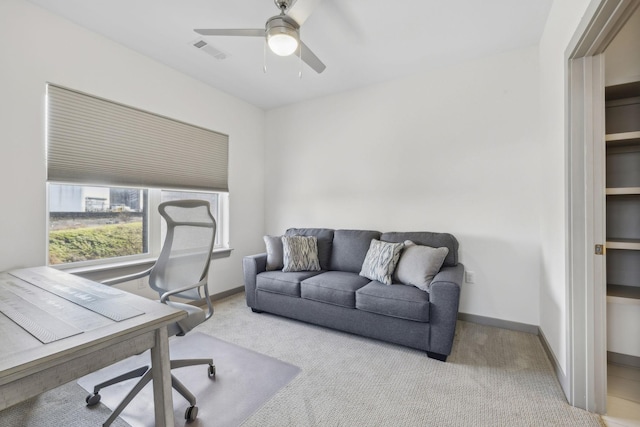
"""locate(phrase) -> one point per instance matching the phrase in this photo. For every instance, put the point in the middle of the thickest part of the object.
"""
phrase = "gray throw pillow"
(275, 257)
(300, 253)
(381, 260)
(419, 264)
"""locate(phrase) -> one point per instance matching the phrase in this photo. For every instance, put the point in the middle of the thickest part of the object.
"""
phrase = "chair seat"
(195, 316)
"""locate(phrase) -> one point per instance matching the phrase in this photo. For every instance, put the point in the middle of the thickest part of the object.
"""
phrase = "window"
(94, 225)
(110, 165)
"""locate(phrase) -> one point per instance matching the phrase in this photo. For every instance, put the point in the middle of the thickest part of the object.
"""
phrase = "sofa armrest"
(251, 266)
(444, 297)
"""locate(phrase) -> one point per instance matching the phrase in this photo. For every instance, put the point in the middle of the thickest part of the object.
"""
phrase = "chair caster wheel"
(212, 371)
(191, 413)
(92, 399)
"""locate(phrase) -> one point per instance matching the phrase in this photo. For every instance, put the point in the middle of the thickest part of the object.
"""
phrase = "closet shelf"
(625, 137)
(621, 291)
(623, 191)
(629, 244)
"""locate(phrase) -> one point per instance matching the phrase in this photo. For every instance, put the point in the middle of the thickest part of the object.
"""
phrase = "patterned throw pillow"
(300, 253)
(381, 260)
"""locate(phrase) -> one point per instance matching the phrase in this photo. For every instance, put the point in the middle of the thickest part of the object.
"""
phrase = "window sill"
(102, 272)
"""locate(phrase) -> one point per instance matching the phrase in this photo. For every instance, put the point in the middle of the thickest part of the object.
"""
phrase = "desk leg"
(161, 367)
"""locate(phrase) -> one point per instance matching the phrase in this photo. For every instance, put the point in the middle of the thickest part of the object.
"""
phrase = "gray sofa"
(338, 297)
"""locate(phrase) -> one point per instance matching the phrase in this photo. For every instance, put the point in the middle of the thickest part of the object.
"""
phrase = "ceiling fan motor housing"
(281, 27)
(278, 22)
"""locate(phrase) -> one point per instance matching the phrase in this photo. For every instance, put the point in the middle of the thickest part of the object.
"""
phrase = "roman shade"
(91, 140)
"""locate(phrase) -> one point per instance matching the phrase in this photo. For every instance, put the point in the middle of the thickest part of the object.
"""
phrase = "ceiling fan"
(282, 32)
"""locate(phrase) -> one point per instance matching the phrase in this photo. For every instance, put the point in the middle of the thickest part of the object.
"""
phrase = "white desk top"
(64, 315)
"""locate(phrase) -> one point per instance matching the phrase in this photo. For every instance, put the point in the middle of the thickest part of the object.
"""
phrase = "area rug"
(245, 380)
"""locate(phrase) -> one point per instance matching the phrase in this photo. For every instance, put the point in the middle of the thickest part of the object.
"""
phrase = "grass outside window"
(98, 242)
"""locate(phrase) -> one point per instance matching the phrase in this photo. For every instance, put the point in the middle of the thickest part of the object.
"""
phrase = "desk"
(72, 327)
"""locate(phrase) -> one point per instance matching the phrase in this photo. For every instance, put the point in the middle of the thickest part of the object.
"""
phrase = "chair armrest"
(252, 265)
(444, 298)
(166, 295)
(126, 278)
(203, 283)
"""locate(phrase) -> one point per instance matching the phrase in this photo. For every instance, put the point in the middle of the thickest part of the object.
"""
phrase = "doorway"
(587, 290)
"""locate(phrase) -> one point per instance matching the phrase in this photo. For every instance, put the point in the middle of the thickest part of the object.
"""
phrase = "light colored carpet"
(244, 380)
(494, 377)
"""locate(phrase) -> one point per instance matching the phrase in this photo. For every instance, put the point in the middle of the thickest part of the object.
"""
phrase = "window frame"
(155, 239)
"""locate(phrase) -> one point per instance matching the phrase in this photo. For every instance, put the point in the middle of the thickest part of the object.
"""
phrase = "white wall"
(562, 23)
(37, 47)
(453, 150)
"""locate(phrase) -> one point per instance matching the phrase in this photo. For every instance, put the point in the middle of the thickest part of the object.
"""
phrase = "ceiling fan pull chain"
(300, 56)
(264, 57)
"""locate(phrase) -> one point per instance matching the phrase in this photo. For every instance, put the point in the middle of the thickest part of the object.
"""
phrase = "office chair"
(180, 271)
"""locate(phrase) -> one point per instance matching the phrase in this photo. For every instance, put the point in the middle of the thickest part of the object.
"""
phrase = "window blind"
(91, 140)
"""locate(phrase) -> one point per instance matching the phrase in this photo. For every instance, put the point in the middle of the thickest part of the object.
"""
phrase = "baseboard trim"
(562, 377)
(227, 293)
(218, 296)
(499, 323)
(623, 359)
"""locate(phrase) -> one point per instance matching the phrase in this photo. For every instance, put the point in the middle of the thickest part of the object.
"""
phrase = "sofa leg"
(437, 356)
(255, 310)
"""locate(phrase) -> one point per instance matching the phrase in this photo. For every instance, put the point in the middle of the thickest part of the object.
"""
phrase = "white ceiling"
(360, 41)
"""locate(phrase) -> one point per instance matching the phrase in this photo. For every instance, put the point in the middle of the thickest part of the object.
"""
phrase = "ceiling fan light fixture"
(282, 36)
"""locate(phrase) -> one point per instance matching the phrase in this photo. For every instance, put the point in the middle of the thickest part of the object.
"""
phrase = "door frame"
(586, 202)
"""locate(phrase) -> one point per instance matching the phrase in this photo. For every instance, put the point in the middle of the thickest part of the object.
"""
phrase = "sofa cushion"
(333, 287)
(350, 248)
(426, 238)
(380, 261)
(324, 237)
(300, 253)
(419, 264)
(275, 257)
(279, 282)
(403, 302)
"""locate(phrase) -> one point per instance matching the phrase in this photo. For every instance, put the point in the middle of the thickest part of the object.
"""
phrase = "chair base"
(145, 375)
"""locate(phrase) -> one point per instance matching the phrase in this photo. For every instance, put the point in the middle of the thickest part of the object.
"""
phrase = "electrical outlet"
(469, 277)
(141, 284)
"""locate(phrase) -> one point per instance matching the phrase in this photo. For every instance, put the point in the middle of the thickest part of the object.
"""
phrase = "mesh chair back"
(186, 252)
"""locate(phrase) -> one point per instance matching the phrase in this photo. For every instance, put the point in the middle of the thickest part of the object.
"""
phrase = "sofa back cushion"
(350, 248)
(324, 238)
(426, 238)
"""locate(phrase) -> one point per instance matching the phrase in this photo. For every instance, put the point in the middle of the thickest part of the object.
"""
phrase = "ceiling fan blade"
(310, 58)
(302, 9)
(259, 32)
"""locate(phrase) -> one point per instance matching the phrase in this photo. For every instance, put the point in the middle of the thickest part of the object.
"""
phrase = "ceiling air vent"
(203, 46)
